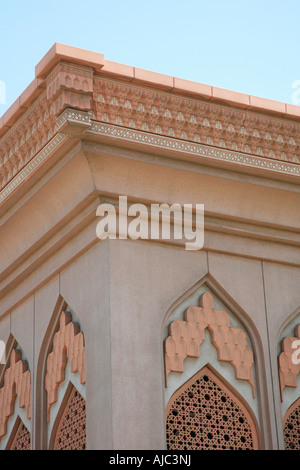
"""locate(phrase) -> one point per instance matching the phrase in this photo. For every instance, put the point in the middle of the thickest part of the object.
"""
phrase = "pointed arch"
(69, 429)
(288, 334)
(63, 345)
(20, 438)
(207, 413)
(68, 343)
(239, 319)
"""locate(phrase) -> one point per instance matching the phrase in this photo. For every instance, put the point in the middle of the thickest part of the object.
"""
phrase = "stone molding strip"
(248, 161)
(185, 338)
(17, 382)
(32, 166)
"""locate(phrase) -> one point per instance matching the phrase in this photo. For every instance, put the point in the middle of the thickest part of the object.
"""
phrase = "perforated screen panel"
(71, 432)
(22, 438)
(205, 416)
(292, 429)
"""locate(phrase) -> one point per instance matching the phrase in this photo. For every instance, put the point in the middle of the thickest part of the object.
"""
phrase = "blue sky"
(250, 46)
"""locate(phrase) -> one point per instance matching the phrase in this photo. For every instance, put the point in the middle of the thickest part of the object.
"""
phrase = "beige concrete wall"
(122, 291)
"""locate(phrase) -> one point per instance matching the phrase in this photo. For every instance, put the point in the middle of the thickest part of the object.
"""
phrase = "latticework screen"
(22, 438)
(292, 429)
(205, 416)
(71, 431)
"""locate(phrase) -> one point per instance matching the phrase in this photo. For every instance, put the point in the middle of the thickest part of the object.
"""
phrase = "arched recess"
(15, 394)
(288, 378)
(61, 361)
(287, 370)
(198, 343)
(206, 413)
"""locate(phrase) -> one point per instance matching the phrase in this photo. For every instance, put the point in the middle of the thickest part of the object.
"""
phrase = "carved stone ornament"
(68, 344)
(17, 383)
(185, 338)
(289, 368)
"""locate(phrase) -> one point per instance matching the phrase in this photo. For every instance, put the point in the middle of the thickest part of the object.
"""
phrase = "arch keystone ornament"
(186, 336)
(17, 382)
(68, 343)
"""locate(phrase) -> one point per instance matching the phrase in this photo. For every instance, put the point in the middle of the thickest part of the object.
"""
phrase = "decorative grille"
(292, 428)
(204, 416)
(22, 438)
(71, 432)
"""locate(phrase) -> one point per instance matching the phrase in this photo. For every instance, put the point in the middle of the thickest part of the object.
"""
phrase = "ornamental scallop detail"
(185, 338)
(16, 383)
(205, 415)
(68, 343)
(288, 370)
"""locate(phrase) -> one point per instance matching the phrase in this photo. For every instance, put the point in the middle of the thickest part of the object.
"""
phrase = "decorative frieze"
(31, 166)
(26, 138)
(195, 120)
(160, 114)
(66, 86)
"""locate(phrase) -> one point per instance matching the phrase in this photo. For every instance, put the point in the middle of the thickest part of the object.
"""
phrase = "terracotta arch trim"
(17, 382)
(68, 344)
(186, 336)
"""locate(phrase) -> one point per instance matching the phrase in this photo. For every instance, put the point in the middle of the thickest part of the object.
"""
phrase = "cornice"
(74, 122)
(196, 120)
(32, 166)
(133, 105)
(205, 152)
